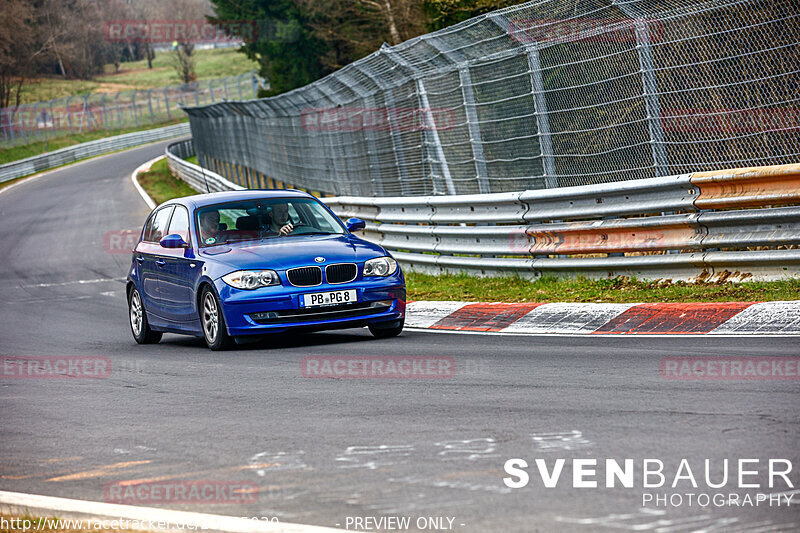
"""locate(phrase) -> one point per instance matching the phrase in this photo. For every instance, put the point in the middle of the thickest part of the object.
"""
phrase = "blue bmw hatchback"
(226, 265)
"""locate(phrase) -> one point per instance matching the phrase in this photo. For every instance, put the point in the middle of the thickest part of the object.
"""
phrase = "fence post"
(133, 107)
(211, 90)
(430, 129)
(10, 116)
(397, 145)
(649, 86)
(22, 123)
(197, 93)
(470, 110)
(539, 103)
(150, 105)
(166, 104)
(69, 113)
(650, 92)
(369, 136)
(239, 85)
(434, 134)
(53, 118)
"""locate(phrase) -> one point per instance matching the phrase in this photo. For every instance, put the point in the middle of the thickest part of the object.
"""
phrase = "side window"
(180, 223)
(159, 225)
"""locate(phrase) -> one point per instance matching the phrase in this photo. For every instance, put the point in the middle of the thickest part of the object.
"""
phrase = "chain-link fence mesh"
(549, 93)
(40, 121)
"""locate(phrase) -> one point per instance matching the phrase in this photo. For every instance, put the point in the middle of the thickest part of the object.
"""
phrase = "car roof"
(202, 200)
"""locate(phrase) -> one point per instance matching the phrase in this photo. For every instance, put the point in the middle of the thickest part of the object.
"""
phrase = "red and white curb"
(723, 318)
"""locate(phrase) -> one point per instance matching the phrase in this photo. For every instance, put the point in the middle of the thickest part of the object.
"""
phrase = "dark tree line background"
(308, 39)
(316, 37)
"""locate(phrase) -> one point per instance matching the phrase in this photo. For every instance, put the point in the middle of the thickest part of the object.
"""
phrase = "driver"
(279, 221)
(209, 226)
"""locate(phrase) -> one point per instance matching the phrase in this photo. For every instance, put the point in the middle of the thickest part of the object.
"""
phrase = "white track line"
(142, 168)
(21, 503)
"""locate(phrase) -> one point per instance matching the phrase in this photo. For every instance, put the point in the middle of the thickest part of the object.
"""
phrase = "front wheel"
(214, 330)
(138, 318)
(391, 329)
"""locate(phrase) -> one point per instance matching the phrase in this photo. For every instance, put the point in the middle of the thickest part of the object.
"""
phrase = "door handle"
(140, 258)
(161, 262)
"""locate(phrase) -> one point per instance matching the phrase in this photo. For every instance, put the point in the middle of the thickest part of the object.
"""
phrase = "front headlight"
(380, 266)
(252, 279)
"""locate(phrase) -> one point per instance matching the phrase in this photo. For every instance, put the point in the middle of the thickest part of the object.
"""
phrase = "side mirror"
(355, 224)
(173, 241)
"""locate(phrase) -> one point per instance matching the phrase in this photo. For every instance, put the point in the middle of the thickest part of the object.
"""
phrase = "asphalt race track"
(322, 450)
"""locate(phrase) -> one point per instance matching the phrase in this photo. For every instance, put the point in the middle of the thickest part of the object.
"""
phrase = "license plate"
(328, 298)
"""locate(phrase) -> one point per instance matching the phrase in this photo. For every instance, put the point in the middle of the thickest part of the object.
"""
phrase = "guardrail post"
(539, 104)
(470, 110)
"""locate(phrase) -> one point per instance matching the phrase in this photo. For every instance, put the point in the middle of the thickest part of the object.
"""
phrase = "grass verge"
(161, 185)
(463, 287)
(210, 64)
(8, 155)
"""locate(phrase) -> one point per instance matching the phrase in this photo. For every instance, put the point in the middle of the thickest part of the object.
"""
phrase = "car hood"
(290, 252)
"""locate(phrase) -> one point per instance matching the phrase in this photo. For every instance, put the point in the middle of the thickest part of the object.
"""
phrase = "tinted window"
(158, 225)
(180, 223)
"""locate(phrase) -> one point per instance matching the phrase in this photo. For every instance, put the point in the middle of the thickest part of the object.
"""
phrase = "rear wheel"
(214, 330)
(138, 318)
(390, 329)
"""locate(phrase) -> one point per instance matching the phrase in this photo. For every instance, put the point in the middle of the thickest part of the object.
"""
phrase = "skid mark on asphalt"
(184, 475)
(560, 441)
(277, 461)
(98, 472)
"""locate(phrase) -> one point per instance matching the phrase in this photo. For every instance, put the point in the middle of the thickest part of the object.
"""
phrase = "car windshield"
(248, 220)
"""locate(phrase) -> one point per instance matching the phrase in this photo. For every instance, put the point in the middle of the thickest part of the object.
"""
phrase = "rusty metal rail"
(656, 228)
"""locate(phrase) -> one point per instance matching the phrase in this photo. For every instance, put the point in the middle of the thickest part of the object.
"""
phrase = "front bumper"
(275, 309)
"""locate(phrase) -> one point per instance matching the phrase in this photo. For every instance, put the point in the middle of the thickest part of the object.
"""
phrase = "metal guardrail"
(197, 177)
(655, 228)
(70, 154)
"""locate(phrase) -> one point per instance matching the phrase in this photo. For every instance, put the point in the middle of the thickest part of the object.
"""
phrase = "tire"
(213, 322)
(138, 320)
(392, 329)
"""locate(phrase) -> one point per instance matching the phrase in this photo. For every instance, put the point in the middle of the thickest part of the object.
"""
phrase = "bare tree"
(19, 49)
